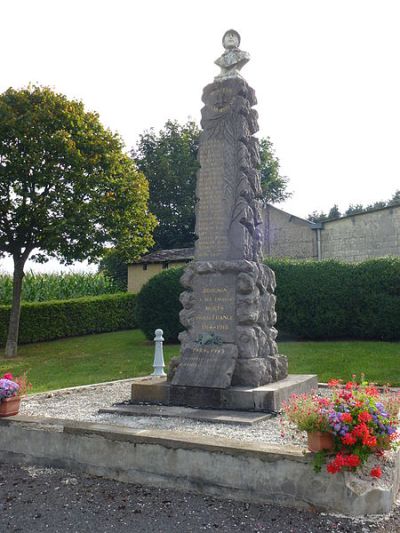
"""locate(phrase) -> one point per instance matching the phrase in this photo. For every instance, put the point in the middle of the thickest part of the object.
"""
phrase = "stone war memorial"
(229, 371)
(229, 356)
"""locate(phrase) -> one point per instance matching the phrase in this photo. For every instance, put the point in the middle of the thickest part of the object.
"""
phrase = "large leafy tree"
(169, 161)
(273, 184)
(67, 189)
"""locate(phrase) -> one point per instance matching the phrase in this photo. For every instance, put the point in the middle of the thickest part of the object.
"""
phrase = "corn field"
(60, 286)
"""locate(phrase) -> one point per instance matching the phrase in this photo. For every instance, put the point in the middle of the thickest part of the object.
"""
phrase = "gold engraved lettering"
(215, 289)
(214, 307)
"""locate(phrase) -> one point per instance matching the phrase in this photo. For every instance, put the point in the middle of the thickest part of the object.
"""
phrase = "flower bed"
(364, 423)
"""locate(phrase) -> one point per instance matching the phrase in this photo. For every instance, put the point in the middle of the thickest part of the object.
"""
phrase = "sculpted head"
(231, 39)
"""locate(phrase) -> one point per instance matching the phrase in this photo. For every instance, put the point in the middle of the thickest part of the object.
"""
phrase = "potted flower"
(309, 413)
(11, 391)
(360, 420)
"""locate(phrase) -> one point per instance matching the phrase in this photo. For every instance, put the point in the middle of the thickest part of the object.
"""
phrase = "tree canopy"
(67, 189)
(169, 161)
(353, 209)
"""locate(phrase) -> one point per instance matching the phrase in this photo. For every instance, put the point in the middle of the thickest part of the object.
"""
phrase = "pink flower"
(8, 376)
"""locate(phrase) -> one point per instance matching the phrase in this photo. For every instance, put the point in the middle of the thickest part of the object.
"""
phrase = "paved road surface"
(34, 500)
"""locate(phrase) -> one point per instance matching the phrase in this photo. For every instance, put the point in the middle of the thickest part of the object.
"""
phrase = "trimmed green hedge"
(331, 300)
(315, 300)
(68, 318)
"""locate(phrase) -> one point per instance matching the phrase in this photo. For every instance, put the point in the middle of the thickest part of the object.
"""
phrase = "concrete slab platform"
(267, 398)
(206, 415)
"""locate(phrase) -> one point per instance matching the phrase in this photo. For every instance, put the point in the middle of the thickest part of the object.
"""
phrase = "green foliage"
(169, 161)
(66, 186)
(330, 299)
(353, 209)
(158, 305)
(315, 300)
(125, 354)
(68, 318)
(395, 200)
(334, 212)
(274, 186)
(57, 286)
(115, 268)
(317, 216)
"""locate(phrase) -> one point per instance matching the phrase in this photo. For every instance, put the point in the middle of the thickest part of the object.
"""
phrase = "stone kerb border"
(219, 467)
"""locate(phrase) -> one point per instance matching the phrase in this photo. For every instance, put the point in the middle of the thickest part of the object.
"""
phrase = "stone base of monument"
(255, 472)
(267, 398)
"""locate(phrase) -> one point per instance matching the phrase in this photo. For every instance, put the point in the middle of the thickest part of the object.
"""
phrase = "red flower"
(346, 417)
(349, 385)
(352, 461)
(361, 430)
(369, 440)
(364, 416)
(376, 472)
(345, 395)
(333, 468)
(8, 376)
(349, 439)
(372, 391)
(334, 382)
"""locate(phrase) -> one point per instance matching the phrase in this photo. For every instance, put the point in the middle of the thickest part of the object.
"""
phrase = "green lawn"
(124, 354)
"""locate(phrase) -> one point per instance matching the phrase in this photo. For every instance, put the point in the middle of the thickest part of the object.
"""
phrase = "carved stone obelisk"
(228, 305)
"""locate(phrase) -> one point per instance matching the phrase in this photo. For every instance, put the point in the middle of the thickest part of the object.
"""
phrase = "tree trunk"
(13, 328)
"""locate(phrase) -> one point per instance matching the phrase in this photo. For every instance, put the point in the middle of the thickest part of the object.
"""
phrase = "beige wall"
(362, 236)
(288, 236)
(137, 277)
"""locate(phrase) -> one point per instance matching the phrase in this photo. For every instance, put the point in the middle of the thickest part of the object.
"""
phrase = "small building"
(151, 264)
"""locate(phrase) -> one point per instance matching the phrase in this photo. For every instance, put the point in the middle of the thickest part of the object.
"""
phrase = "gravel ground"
(37, 500)
(83, 403)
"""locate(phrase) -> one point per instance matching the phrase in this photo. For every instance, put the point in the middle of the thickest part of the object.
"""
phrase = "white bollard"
(158, 354)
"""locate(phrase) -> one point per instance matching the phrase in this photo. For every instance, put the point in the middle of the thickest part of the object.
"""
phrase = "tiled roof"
(167, 256)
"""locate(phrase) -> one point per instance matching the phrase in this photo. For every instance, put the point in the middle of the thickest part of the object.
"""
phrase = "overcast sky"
(326, 75)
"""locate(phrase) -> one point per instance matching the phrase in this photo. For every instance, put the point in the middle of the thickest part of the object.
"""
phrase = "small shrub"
(158, 305)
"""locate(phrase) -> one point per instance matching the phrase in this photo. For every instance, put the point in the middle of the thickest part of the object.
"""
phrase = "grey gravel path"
(38, 500)
(83, 404)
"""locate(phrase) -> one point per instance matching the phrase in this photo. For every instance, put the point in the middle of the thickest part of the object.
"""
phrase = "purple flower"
(8, 388)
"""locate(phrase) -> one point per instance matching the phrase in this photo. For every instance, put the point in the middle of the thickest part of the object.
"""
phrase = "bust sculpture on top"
(233, 59)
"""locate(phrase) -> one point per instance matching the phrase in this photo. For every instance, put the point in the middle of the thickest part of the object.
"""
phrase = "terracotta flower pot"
(10, 406)
(320, 440)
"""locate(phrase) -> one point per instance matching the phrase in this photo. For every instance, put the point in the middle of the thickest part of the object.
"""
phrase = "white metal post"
(158, 354)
